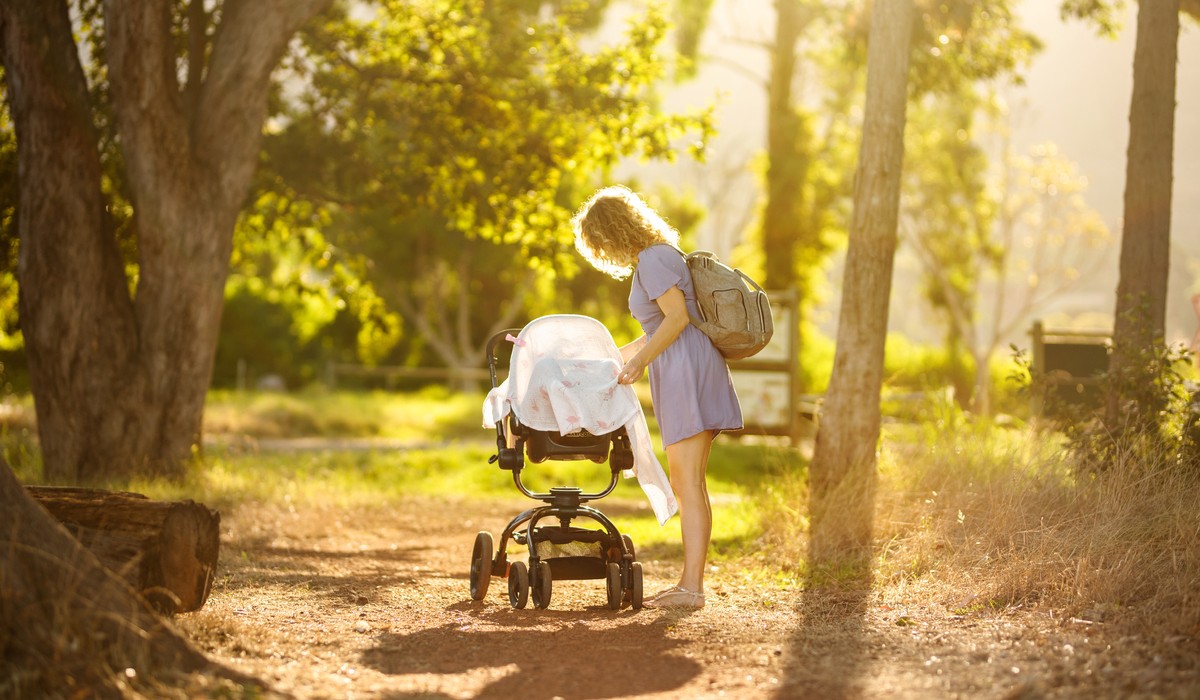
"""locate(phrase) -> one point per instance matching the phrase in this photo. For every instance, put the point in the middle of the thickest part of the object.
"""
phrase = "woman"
(690, 385)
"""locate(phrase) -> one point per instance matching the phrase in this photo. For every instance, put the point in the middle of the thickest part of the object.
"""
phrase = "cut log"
(167, 550)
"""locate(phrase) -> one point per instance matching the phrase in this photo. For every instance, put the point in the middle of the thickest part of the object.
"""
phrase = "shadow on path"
(826, 656)
(625, 659)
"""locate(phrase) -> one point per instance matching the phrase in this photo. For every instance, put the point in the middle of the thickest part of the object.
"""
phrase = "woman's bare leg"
(688, 463)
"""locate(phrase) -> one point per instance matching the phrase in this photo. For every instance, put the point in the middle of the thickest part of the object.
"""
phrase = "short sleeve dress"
(690, 384)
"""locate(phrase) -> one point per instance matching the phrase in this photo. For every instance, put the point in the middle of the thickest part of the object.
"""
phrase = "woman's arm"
(628, 351)
(675, 319)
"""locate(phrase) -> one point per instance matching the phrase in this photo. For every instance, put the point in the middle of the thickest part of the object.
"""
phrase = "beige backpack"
(734, 311)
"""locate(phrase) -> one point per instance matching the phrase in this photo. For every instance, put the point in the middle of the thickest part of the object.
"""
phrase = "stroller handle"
(490, 350)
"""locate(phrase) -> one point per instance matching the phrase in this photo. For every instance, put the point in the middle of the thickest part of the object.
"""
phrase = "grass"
(432, 414)
(361, 478)
(972, 515)
(1001, 517)
(449, 459)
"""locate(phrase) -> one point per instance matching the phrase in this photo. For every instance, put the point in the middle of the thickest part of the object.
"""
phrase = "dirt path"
(344, 603)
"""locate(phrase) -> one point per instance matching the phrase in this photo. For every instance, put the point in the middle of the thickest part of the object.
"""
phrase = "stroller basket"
(574, 553)
(559, 551)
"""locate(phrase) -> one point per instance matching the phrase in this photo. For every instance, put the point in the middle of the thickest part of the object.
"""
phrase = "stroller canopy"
(563, 378)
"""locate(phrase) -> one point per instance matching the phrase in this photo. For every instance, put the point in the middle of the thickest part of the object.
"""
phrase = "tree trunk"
(842, 477)
(68, 624)
(166, 550)
(1145, 242)
(76, 315)
(785, 153)
(119, 382)
(981, 399)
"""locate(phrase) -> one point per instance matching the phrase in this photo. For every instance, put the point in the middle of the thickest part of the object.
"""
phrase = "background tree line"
(417, 163)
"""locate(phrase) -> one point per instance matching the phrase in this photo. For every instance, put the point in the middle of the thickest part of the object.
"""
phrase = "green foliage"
(257, 339)
(958, 48)
(283, 264)
(957, 44)
(812, 144)
(816, 358)
(1156, 405)
(911, 366)
(691, 19)
(950, 212)
(448, 143)
(1154, 424)
(1106, 14)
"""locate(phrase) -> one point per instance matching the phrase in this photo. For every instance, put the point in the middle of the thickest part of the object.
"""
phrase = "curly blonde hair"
(613, 226)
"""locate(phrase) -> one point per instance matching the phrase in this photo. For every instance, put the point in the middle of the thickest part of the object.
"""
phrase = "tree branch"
(246, 48)
(509, 311)
(409, 311)
(145, 93)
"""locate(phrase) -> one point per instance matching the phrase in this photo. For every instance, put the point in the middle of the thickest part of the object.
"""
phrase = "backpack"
(734, 311)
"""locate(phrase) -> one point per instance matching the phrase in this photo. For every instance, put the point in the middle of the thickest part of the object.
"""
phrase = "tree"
(1140, 315)
(946, 218)
(448, 145)
(992, 251)
(1046, 241)
(120, 363)
(842, 477)
(816, 59)
(788, 146)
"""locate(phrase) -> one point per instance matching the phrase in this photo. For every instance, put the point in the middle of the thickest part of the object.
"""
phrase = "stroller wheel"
(634, 594)
(627, 599)
(542, 585)
(614, 586)
(481, 565)
(629, 545)
(518, 584)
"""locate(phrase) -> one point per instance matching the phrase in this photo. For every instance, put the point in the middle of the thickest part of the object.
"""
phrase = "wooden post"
(1037, 399)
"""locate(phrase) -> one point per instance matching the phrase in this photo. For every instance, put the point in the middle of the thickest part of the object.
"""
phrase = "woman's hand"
(632, 371)
(675, 319)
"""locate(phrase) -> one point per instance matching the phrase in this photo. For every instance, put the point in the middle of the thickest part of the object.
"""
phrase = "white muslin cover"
(563, 377)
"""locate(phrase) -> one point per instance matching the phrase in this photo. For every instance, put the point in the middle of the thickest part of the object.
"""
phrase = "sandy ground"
(344, 603)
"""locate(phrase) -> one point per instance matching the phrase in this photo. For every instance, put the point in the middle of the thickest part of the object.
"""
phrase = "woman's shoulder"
(660, 252)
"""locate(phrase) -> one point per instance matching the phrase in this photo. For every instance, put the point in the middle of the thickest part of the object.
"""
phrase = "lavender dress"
(689, 381)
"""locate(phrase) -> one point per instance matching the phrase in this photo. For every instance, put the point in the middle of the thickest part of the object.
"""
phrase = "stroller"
(562, 374)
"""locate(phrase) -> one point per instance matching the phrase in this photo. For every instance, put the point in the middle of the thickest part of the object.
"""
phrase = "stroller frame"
(617, 566)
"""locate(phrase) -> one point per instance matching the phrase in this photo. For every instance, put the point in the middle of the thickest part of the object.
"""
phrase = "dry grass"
(973, 516)
(984, 517)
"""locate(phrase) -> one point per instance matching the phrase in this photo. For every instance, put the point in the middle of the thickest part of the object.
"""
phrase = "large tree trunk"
(119, 382)
(842, 477)
(1145, 241)
(76, 314)
(67, 624)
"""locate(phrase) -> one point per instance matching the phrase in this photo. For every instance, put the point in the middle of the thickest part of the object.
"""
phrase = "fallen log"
(166, 550)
